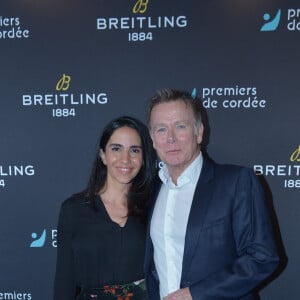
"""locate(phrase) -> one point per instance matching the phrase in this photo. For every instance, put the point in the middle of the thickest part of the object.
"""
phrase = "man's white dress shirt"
(169, 222)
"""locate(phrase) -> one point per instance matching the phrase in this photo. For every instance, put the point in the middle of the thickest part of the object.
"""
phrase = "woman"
(101, 231)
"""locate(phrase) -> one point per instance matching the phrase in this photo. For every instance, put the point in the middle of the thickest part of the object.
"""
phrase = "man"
(209, 235)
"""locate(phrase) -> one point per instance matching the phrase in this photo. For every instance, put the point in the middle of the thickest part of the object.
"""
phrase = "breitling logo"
(140, 6)
(63, 83)
(295, 156)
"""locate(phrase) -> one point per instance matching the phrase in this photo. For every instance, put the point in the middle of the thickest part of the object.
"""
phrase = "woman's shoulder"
(76, 201)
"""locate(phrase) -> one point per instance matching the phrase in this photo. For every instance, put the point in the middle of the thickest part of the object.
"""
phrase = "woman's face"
(123, 156)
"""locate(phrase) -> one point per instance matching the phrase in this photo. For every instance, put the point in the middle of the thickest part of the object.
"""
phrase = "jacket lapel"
(156, 188)
(199, 207)
(149, 245)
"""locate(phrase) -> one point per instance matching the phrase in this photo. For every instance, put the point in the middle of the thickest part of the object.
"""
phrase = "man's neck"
(176, 171)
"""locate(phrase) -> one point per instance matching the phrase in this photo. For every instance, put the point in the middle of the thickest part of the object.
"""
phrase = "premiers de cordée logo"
(231, 97)
(291, 18)
(15, 295)
(62, 103)
(11, 28)
(139, 26)
(43, 238)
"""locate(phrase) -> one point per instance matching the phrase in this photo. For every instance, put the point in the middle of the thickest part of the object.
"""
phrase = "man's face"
(174, 135)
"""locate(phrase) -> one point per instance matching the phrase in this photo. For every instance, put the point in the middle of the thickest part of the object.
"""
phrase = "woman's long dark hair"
(141, 185)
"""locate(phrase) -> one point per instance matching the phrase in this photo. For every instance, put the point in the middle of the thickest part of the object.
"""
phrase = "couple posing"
(208, 234)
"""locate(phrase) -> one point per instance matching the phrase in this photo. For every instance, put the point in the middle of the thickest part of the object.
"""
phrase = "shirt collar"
(189, 175)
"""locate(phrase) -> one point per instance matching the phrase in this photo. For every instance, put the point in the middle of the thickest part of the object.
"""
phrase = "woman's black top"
(93, 251)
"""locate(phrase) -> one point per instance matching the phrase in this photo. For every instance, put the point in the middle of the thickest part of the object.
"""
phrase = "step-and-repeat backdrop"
(69, 66)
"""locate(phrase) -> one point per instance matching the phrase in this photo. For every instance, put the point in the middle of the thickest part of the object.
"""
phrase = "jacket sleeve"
(256, 253)
(64, 285)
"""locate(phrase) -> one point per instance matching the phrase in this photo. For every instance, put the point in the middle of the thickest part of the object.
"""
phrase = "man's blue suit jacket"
(229, 245)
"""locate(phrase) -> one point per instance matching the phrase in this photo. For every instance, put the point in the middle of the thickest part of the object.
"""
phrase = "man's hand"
(182, 294)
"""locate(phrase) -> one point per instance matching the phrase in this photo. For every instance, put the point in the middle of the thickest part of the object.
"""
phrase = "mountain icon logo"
(271, 25)
(38, 242)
